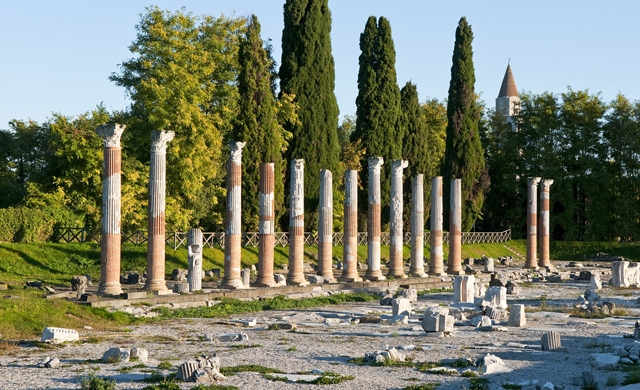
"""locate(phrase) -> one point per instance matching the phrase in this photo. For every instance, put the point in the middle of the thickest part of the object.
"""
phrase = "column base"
(374, 276)
(329, 279)
(110, 288)
(418, 274)
(156, 286)
(266, 282)
(547, 267)
(436, 273)
(396, 276)
(533, 267)
(298, 283)
(233, 284)
(457, 272)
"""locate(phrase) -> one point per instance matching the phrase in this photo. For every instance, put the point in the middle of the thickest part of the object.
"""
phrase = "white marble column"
(454, 265)
(545, 223)
(194, 258)
(417, 227)
(373, 223)
(396, 266)
(325, 227)
(350, 238)
(296, 225)
(532, 222)
(436, 255)
(266, 235)
(233, 220)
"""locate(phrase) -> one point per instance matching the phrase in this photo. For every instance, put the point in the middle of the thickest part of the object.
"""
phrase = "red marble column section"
(233, 221)
(296, 225)
(350, 238)
(373, 223)
(266, 227)
(157, 203)
(396, 260)
(325, 227)
(111, 209)
(532, 222)
(454, 266)
(194, 258)
(545, 223)
(436, 253)
(417, 227)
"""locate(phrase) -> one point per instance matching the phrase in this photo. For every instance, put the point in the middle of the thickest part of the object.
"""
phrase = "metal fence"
(176, 240)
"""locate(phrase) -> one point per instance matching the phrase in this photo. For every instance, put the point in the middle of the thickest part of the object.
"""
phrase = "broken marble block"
(59, 335)
(410, 293)
(489, 264)
(516, 316)
(463, 289)
(233, 337)
(605, 361)
(140, 354)
(492, 364)
(480, 290)
(48, 363)
(596, 283)
(387, 300)
(245, 275)
(591, 296)
(400, 307)
(550, 341)
(496, 313)
(512, 288)
(316, 279)
(116, 355)
(437, 319)
(618, 273)
(205, 369)
(280, 279)
(496, 297)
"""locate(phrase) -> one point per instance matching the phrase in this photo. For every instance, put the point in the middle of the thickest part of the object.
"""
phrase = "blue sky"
(56, 56)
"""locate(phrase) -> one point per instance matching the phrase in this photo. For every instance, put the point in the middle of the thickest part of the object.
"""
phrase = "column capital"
(110, 134)
(546, 183)
(297, 164)
(160, 139)
(398, 165)
(375, 163)
(326, 174)
(236, 151)
(533, 181)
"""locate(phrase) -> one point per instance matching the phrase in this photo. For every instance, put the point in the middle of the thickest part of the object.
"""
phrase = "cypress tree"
(464, 155)
(378, 122)
(308, 72)
(257, 124)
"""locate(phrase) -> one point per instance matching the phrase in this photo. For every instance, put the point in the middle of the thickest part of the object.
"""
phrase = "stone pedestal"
(325, 227)
(436, 257)
(396, 266)
(464, 289)
(373, 222)
(157, 202)
(350, 238)
(517, 316)
(545, 224)
(194, 257)
(296, 226)
(619, 274)
(455, 229)
(266, 234)
(550, 341)
(233, 220)
(532, 222)
(417, 227)
(111, 209)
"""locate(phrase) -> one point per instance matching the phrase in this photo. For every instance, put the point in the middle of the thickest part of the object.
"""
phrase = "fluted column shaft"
(233, 219)
(436, 252)
(396, 266)
(111, 209)
(545, 223)
(194, 257)
(417, 226)
(325, 226)
(455, 229)
(157, 193)
(532, 222)
(296, 225)
(350, 238)
(266, 233)
(373, 222)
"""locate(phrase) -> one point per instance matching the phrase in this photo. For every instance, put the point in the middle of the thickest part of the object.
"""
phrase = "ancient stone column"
(157, 192)
(233, 234)
(436, 255)
(455, 229)
(396, 266)
(532, 222)
(296, 225)
(194, 257)
(545, 221)
(373, 223)
(111, 204)
(325, 227)
(266, 233)
(350, 238)
(417, 227)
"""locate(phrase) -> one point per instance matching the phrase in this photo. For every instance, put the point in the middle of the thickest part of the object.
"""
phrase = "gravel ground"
(319, 346)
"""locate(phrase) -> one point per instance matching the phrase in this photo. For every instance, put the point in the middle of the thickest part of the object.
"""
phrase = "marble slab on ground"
(553, 329)
(547, 314)
(296, 377)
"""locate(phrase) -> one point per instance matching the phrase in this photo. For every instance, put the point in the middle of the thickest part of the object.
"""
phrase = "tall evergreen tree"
(379, 118)
(257, 124)
(464, 156)
(307, 71)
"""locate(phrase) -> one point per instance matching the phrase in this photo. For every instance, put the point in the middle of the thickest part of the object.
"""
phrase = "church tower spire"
(508, 102)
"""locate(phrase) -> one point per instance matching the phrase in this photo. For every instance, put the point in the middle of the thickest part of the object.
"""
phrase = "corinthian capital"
(160, 139)
(110, 134)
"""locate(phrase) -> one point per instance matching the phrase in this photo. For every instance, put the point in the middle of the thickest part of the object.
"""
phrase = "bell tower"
(508, 102)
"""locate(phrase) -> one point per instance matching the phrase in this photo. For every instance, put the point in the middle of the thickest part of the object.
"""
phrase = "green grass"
(632, 375)
(577, 251)
(424, 386)
(230, 371)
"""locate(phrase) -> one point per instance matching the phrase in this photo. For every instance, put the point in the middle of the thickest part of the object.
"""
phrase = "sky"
(56, 56)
